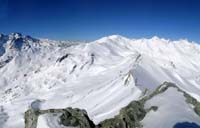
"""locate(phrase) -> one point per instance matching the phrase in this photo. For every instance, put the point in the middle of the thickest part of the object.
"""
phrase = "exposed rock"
(154, 108)
(31, 117)
(92, 58)
(75, 118)
(3, 116)
(70, 117)
(128, 117)
(62, 58)
(73, 69)
(194, 102)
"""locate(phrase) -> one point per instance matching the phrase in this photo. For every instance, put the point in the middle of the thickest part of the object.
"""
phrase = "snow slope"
(100, 76)
(162, 118)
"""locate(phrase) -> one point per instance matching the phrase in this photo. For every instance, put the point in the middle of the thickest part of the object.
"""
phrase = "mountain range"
(100, 77)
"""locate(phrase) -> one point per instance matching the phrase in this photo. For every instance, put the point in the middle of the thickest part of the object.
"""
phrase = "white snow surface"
(180, 111)
(100, 76)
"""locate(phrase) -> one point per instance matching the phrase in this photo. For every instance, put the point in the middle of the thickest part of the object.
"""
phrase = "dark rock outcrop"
(76, 118)
(62, 58)
(31, 117)
(129, 117)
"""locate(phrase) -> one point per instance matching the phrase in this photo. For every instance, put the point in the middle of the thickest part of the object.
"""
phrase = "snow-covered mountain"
(101, 77)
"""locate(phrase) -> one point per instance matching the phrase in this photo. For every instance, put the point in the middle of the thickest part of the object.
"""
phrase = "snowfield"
(169, 112)
(101, 77)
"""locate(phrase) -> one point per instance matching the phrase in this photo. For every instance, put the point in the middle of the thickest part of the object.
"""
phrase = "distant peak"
(112, 38)
(31, 38)
(2, 35)
(155, 38)
(17, 41)
(15, 35)
(158, 39)
(115, 36)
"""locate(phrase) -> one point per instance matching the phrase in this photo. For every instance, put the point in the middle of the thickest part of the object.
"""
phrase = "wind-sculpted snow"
(100, 76)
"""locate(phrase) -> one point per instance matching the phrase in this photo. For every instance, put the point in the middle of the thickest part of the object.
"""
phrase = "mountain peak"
(15, 35)
(155, 38)
(16, 41)
(113, 38)
(2, 35)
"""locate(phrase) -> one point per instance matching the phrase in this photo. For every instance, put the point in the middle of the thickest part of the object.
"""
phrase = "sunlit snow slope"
(100, 76)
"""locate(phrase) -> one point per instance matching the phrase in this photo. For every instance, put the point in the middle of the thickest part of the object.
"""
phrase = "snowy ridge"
(100, 76)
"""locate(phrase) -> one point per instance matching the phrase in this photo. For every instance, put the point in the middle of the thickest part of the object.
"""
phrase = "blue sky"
(92, 19)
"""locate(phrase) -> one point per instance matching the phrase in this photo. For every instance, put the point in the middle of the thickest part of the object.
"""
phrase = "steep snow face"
(100, 76)
(169, 112)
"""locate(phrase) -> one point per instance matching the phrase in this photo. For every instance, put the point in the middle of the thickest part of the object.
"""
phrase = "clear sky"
(92, 19)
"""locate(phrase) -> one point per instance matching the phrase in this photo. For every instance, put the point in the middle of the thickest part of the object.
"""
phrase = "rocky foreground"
(128, 117)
